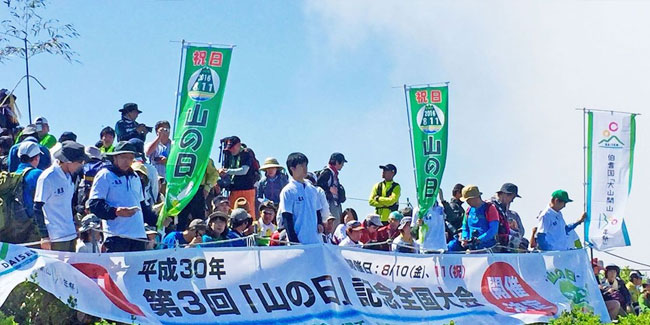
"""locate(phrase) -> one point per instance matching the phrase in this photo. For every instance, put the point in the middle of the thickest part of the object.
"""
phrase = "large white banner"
(610, 157)
(313, 284)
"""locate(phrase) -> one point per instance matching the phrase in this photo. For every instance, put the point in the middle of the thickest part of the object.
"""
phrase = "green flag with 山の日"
(203, 81)
(429, 125)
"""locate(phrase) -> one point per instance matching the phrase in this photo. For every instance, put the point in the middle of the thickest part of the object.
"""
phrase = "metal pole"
(584, 174)
(29, 102)
(408, 119)
(178, 86)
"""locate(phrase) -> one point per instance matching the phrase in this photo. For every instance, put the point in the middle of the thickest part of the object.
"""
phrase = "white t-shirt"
(86, 247)
(55, 189)
(265, 230)
(347, 242)
(400, 243)
(302, 201)
(340, 232)
(553, 225)
(120, 192)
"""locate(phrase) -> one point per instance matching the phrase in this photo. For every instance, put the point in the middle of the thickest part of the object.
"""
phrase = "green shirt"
(48, 141)
(107, 150)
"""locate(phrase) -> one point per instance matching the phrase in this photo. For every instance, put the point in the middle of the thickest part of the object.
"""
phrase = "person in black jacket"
(615, 287)
(127, 128)
(328, 180)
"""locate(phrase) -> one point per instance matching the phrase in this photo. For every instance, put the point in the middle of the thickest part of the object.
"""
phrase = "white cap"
(40, 120)
(28, 148)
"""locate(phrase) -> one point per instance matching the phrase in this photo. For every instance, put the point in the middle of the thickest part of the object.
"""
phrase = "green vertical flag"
(203, 82)
(429, 124)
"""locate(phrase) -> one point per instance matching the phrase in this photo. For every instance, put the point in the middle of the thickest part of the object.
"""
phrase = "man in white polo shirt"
(299, 203)
(116, 198)
(53, 199)
(553, 234)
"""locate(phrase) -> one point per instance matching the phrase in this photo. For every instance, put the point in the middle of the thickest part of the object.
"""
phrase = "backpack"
(15, 224)
(255, 164)
(503, 235)
(389, 191)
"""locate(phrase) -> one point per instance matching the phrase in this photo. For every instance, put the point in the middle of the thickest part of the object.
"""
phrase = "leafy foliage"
(576, 316)
(42, 35)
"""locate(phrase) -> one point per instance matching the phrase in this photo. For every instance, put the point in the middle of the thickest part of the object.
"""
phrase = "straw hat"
(271, 162)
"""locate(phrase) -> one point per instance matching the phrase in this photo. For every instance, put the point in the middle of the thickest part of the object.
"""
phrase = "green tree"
(27, 32)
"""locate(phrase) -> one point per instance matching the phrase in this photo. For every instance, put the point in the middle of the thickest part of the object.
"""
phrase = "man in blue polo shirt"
(116, 198)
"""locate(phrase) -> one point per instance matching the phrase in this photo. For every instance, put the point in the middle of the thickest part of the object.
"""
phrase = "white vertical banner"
(610, 158)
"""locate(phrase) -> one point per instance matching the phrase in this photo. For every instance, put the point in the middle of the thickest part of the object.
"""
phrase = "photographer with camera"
(480, 225)
(127, 128)
(158, 150)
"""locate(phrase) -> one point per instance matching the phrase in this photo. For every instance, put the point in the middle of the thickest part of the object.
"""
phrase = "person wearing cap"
(634, 288)
(90, 235)
(389, 231)
(328, 180)
(353, 231)
(328, 230)
(240, 221)
(274, 180)
(371, 224)
(504, 197)
(265, 226)
(117, 198)
(480, 225)
(158, 150)
(190, 237)
(221, 203)
(340, 233)
(299, 203)
(29, 153)
(153, 237)
(43, 128)
(127, 128)
(217, 230)
(613, 283)
(238, 175)
(53, 199)
(31, 135)
(454, 211)
(405, 243)
(385, 194)
(552, 232)
(106, 139)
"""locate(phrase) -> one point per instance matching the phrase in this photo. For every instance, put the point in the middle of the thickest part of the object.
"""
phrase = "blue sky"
(320, 76)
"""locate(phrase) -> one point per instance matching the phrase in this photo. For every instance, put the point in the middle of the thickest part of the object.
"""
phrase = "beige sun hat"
(271, 162)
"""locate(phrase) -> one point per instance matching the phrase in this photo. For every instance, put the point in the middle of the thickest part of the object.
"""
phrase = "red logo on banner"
(503, 287)
(108, 287)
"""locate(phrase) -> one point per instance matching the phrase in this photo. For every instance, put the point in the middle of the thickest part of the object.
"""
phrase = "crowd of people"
(622, 297)
(108, 197)
(58, 194)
